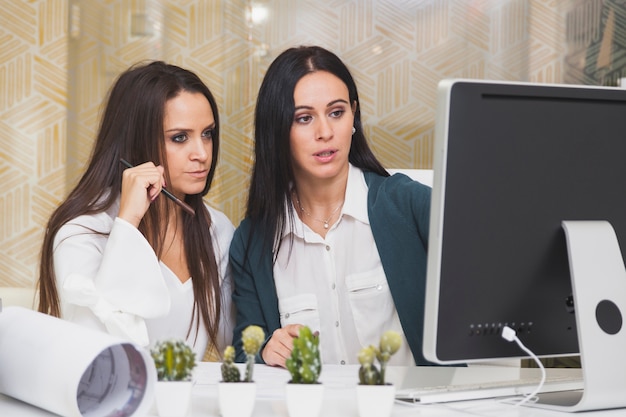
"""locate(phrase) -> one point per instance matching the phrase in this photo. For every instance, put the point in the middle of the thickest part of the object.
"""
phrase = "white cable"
(509, 334)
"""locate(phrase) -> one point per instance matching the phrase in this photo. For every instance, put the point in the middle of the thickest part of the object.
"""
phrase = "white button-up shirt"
(336, 285)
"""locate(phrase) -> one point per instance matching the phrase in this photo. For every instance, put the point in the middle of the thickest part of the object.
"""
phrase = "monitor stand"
(599, 290)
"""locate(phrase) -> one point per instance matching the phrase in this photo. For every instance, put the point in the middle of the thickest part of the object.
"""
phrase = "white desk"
(339, 398)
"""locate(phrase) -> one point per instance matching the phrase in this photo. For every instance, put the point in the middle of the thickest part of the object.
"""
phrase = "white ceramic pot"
(304, 400)
(375, 400)
(236, 399)
(173, 398)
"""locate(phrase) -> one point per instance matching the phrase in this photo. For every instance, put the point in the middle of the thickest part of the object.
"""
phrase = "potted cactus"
(174, 361)
(304, 393)
(236, 395)
(375, 395)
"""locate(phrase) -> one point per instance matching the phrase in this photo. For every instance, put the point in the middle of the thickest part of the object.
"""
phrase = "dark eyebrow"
(339, 100)
(211, 126)
(332, 103)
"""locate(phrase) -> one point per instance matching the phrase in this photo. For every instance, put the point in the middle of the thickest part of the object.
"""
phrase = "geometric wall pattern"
(59, 57)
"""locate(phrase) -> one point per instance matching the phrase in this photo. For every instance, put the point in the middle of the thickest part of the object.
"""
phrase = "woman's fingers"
(140, 186)
(279, 347)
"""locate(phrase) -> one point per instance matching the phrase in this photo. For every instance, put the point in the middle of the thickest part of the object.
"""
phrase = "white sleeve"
(222, 234)
(117, 277)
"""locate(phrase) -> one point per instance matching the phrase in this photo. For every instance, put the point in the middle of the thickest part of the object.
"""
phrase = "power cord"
(510, 335)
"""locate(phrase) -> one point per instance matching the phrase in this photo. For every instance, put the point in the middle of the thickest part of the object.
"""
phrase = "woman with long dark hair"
(330, 240)
(121, 256)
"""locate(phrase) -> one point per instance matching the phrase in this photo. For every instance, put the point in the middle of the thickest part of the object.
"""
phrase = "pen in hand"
(169, 195)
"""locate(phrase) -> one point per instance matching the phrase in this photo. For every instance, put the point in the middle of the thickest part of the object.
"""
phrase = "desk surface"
(339, 398)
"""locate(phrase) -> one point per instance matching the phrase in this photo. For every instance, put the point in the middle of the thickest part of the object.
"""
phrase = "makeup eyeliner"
(169, 195)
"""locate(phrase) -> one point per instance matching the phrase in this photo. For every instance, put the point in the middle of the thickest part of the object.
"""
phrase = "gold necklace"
(326, 225)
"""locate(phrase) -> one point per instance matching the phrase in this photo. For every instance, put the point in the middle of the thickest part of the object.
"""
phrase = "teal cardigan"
(399, 214)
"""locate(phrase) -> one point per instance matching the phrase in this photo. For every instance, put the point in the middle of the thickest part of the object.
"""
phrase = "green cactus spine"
(368, 374)
(304, 364)
(252, 338)
(230, 372)
(174, 360)
(390, 342)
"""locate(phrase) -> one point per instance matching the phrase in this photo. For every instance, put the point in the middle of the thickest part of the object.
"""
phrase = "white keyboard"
(482, 390)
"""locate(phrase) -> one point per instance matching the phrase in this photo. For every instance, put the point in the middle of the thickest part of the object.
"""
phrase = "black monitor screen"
(511, 162)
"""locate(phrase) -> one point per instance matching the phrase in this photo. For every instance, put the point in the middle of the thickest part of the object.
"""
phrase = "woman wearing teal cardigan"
(330, 240)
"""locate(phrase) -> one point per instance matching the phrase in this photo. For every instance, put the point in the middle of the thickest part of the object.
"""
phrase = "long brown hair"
(132, 128)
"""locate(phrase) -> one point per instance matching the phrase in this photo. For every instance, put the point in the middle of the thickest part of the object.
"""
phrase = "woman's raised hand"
(279, 347)
(141, 185)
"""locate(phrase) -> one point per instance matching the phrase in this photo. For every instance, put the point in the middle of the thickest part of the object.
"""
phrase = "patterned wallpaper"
(58, 58)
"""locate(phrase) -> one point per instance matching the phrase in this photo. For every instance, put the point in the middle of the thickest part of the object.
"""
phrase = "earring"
(353, 130)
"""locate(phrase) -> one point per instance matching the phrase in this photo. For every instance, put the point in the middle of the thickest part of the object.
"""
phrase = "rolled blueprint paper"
(72, 370)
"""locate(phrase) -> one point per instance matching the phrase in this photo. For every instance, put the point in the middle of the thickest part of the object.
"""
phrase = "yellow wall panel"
(59, 57)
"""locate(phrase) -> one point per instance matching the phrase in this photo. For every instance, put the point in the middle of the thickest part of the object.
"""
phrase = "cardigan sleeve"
(399, 210)
(254, 293)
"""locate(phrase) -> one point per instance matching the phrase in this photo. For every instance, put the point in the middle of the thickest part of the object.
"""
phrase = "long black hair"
(272, 173)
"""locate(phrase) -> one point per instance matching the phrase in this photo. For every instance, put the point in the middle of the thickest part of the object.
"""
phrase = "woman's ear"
(354, 104)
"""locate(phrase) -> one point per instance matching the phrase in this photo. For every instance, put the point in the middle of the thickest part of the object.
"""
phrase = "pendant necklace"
(325, 222)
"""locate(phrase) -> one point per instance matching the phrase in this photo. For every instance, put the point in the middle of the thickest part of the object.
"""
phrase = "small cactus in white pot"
(304, 392)
(174, 361)
(375, 395)
(305, 364)
(369, 374)
(252, 338)
(237, 399)
(230, 371)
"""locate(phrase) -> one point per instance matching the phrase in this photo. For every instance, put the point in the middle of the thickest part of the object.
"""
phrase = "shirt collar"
(294, 224)
(356, 196)
(355, 204)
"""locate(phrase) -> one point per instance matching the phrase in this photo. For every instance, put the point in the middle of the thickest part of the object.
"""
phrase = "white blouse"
(336, 285)
(109, 278)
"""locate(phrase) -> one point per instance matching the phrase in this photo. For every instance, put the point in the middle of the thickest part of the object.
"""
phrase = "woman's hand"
(141, 185)
(279, 347)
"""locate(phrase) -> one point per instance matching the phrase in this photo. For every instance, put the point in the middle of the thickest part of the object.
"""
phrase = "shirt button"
(343, 362)
(336, 324)
(286, 315)
(333, 286)
(327, 248)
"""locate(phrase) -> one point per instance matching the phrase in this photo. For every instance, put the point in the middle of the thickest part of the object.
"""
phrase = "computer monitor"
(512, 162)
